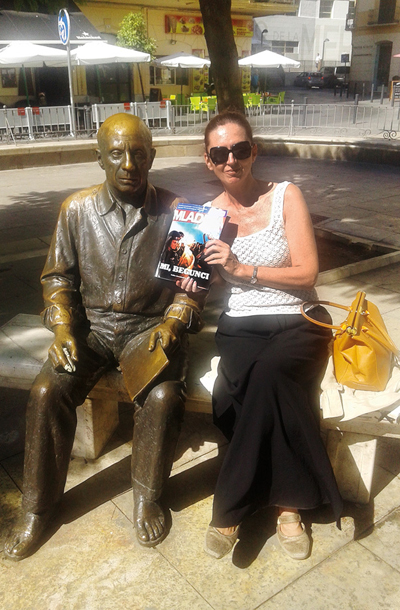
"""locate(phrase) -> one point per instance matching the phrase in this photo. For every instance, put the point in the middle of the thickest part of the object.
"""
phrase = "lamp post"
(263, 80)
(265, 31)
(323, 51)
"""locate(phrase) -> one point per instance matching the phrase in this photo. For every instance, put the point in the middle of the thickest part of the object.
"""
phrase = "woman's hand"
(188, 284)
(218, 252)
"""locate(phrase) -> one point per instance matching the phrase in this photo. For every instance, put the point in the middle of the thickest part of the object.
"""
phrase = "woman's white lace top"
(266, 248)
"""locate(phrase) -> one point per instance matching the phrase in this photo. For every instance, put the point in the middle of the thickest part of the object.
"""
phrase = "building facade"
(177, 26)
(50, 84)
(317, 36)
(376, 38)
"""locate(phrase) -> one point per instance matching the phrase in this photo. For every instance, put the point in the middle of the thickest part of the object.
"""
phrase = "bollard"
(382, 92)
(291, 127)
(372, 92)
(304, 122)
(355, 108)
(363, 91)
(87, 119)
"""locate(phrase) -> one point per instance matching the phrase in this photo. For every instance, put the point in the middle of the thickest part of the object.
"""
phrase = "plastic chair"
(195, 103)
(209, 103)
(246, 100)
(274, 99)
(254, 101)
(181, 99)
(282, 96)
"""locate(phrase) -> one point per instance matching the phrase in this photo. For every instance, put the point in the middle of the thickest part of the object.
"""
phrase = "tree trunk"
(222, 50)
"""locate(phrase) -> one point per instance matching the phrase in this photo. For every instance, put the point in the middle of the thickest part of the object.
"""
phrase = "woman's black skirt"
(266, 402)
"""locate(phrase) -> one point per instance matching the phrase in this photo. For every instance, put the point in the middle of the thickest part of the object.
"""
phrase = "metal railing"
(338, 120)
(154, 114)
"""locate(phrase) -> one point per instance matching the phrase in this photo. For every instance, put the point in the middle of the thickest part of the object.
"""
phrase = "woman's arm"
(300, 234)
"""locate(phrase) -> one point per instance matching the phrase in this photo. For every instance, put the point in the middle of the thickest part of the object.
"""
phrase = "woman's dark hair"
(228, 116)
(172, 236)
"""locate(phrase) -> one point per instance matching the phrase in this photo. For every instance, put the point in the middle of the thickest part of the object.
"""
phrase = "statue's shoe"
(27, 535)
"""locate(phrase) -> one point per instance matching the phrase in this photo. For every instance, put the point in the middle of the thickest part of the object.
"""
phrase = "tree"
(132, 34)
(222, 50)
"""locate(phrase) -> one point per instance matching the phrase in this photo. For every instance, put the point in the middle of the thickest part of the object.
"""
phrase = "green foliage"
(133, 34)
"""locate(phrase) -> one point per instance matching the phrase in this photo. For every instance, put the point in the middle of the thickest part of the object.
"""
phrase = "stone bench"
(351, 447)
(24, 343)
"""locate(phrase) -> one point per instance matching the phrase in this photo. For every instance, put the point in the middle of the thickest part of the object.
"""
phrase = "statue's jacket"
(105, 277)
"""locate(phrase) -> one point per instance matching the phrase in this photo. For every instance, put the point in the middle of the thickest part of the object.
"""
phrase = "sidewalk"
(92, 560)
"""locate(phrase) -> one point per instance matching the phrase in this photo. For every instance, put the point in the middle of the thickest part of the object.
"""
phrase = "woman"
(265, 399)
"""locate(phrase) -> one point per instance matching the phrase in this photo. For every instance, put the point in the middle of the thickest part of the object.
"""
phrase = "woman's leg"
(276, 454)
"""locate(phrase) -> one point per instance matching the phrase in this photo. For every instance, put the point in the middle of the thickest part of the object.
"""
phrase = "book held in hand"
(183, 252)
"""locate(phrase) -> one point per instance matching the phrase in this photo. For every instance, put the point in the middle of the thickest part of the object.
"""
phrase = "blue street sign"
(63, 26)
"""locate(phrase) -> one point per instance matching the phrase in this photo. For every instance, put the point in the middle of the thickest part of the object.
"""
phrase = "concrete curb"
(40, 154)
(334, 275)
(331, 150)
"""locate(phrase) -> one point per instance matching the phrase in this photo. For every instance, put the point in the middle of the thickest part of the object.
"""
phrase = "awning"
(43, 29)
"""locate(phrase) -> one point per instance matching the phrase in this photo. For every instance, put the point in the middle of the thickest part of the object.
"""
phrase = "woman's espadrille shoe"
(297, 547)
(218, 545)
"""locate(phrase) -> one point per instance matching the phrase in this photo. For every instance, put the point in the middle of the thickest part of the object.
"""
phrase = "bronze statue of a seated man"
(101, 300)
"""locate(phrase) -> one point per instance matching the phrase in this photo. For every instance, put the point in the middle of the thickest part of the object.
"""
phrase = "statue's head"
(126, 154)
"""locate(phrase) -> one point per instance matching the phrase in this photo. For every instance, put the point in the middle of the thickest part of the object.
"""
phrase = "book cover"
(139, 366)
(183, 253)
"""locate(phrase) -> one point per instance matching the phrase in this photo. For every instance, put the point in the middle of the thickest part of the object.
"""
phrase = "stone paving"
(91, 560)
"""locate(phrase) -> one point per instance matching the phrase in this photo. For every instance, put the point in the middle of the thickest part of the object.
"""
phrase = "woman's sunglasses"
(220, 154)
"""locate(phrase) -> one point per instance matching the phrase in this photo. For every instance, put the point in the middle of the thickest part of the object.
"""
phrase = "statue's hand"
(63, 352)
(168, 334)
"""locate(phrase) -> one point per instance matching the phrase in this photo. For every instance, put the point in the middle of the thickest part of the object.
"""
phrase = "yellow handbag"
(362, 349)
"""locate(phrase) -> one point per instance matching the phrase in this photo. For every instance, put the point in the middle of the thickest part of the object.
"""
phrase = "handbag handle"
(353, 322)
(353, 326)
(331, 326)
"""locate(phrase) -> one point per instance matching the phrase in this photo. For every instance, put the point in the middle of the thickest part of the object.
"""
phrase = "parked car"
(330, 80)
(342, 74)
(315, 79)
(326, 79)
(301, 79)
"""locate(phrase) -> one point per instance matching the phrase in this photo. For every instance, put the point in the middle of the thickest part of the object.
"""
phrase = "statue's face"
(126, 158)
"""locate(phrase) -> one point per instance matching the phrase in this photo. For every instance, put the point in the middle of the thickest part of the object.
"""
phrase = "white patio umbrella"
(99, 52)
(182, 60)
(17, 54)
(27, 54)
(267, 59)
